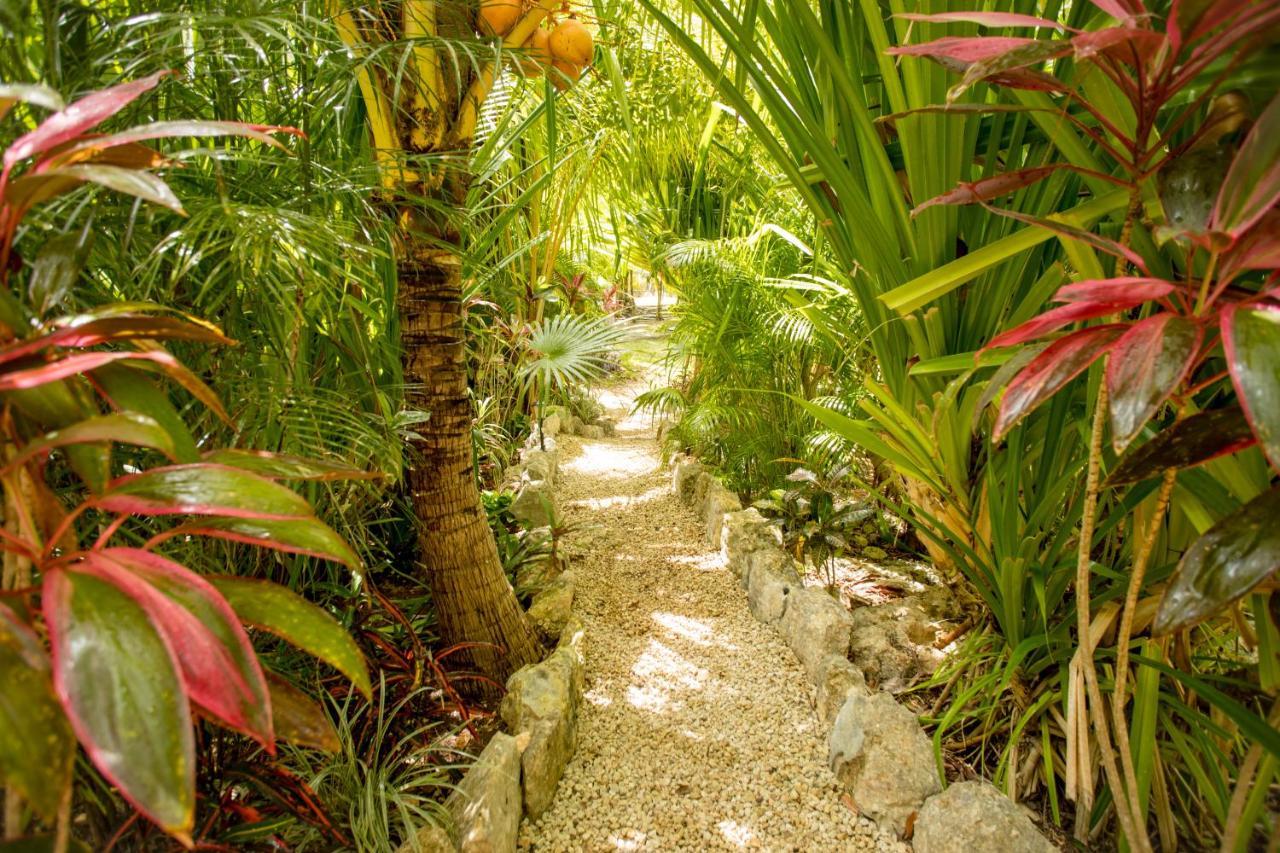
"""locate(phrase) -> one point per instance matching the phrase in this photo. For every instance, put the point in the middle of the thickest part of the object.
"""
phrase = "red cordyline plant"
(1185, 319)
(119, 647)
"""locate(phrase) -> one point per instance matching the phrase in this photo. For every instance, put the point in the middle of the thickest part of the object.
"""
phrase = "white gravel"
(698, 730)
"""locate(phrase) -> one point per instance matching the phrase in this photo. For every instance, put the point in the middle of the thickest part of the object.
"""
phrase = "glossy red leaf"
(1147, 365)
(1251, 338)
(1122, 10)
(964, 49)
(1223, 565)
(1187, 443)
(1061, 361)
(92, 148)
(122, 428)
(308, 536)
(118, 680)
(1018, 59)
(85, 114)
(1257, 249)
(202, 489)
(1252, 186)
(219, 668)
(37, 747)
(1125, 44)
(33, 377)
(990, 188)
(986, 19)
(1056, 318)
(286, 614)
(32, 189)
(88, 332)
(1121, 290)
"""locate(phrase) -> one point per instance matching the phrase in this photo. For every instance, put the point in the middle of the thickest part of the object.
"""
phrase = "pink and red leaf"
(118, 680)
(1061, 361)
(84, 115)
(202, 489)
(1251, 339)
(219, 668)
(1147, 365)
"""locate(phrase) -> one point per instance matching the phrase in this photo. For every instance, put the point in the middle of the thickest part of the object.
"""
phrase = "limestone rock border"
(517, 773)
(876, 746)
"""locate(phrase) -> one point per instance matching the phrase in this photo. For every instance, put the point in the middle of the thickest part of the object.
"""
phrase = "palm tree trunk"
(474, 600)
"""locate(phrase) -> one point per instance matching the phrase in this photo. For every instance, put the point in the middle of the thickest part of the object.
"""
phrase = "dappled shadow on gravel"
(697, 731)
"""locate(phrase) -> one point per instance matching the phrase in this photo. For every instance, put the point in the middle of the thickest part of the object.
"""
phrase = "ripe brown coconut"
(571, 42)
(564, 74)
(497, 17)
(537, 53)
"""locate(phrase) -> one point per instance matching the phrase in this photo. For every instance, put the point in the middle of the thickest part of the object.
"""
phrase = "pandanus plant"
(116, 646)
(1188, 319)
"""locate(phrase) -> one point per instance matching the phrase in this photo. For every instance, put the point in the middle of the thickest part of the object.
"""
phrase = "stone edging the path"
(875, 746)
(517, 773)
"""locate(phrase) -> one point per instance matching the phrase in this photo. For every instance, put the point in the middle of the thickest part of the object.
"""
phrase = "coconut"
(497, 17)
(571, 42)
(564, 74)
(537, 53)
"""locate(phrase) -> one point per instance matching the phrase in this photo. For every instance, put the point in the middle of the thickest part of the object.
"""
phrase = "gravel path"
(697, 731)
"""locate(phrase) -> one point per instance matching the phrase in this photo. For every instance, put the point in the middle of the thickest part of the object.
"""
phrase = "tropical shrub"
(137, 642)
(882, 148)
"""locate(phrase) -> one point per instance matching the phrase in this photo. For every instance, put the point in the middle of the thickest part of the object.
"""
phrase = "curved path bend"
(697, 730)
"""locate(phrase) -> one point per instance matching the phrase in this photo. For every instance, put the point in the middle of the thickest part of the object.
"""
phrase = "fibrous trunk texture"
(474, 600)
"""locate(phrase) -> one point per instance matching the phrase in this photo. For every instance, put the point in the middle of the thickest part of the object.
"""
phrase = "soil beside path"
(697, 729)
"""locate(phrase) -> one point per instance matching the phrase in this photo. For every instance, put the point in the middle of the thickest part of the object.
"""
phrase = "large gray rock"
(684, 474)
(770, 584)
(837, 678)
(542, 701)
(746, 532)
(486, 807)
(591, 431)
(815, 626)
(701, 484)
(715, 504)
(551, 424)
(973, 816)
(893, 644)
(532, 506)
(551, 607)
(883, 758)
(541, 464)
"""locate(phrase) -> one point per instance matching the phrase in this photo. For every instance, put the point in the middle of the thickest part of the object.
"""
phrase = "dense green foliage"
(846, 227)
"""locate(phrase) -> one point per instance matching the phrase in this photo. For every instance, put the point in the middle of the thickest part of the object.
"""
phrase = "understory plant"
(1190, 324)
(104, 641)
(816, 521)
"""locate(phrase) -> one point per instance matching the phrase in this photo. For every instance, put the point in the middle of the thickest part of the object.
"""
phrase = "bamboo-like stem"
(1083, 562)
(62, 830)
(1119, 696)
(387, 148)
(12, 814)
(464, 126)
(419, 21)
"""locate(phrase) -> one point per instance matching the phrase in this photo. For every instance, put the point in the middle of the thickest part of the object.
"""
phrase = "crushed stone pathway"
(697, 729)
